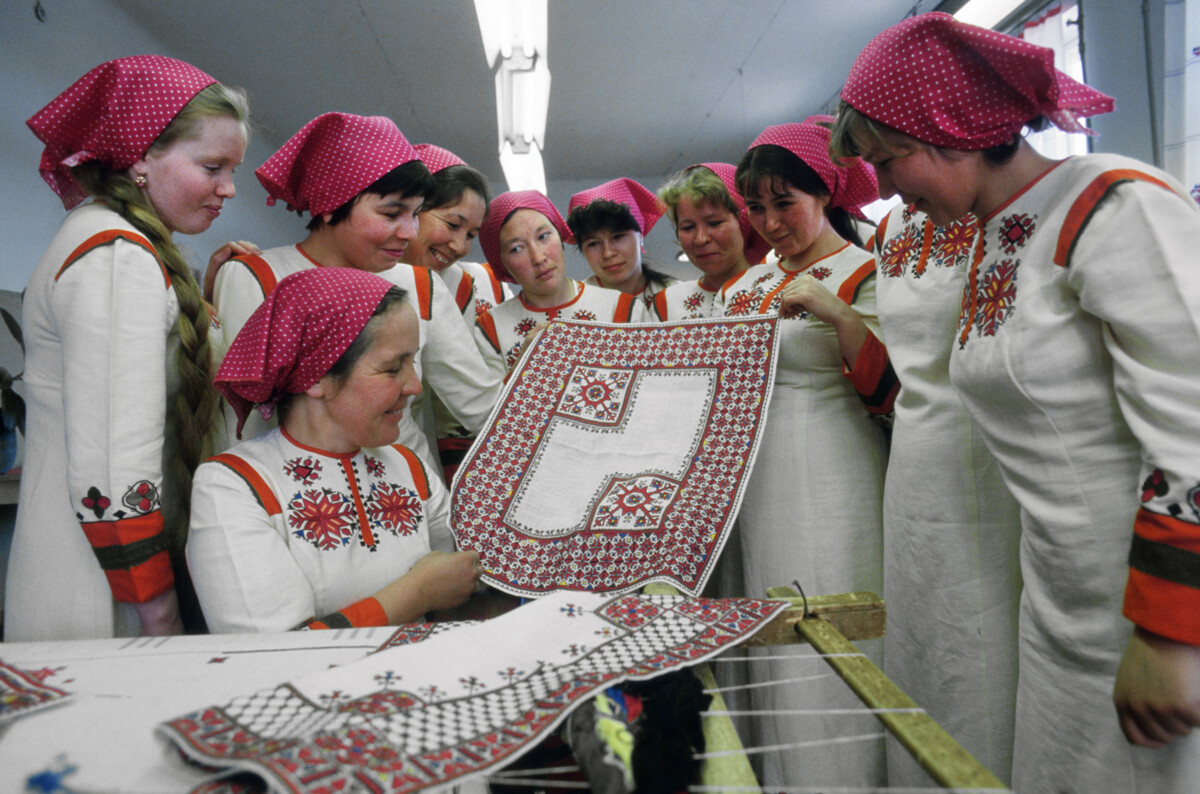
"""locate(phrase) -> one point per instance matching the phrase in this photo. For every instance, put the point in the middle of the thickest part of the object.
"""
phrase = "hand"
(220, 257)
(1157, 692)
(805, 293)
(445, 579)
(160, 615)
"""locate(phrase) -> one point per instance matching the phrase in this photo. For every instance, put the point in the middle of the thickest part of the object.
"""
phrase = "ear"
(326, 217)
(139, 168)
(324, 389)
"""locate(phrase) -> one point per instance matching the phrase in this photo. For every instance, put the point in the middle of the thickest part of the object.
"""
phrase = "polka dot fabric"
(963, 87)
(755, 247)
(643, 205)
(332, 159)
(296, 335)
(498, 211)
(851, 187)
(436, 158)
(111, 115)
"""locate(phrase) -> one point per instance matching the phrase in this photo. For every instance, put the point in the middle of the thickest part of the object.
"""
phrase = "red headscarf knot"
(959, 86)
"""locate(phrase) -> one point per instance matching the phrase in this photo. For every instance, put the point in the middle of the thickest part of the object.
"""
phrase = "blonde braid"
(195, 402)
(195, 405)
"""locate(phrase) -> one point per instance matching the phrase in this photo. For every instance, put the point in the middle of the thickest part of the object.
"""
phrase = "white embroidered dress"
(100, 336)
(950, 528)
(448, 361)
(500, 332)
(341, 528)
(686, 300)
(811, 511)
(1079, 356)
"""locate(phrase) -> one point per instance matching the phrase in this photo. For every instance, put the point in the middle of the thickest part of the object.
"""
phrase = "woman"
(310, 523)
(118, 356)
(947, 516)
(447, 224)
(811, 512)
(609, 223)
(714, 232)
(523, 240)
(1078, 354)
(363, 184)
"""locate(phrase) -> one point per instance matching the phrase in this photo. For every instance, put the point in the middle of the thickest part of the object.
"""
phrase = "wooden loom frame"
(828, 623)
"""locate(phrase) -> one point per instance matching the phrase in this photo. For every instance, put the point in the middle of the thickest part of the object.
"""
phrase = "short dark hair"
(600, 214)
(451, 183)
(410, 179)
(781, 168)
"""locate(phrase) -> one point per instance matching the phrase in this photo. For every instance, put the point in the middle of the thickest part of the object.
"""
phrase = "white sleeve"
(437, 513)
(453, 366)
(245, 576)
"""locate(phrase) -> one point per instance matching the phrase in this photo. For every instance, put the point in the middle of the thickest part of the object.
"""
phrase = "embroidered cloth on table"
(23, 692)
(461, 704)
(102, 738)
(617, 455)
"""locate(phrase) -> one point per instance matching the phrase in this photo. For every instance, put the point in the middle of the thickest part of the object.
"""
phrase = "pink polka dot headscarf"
(111, 115)
(332, 159)
(436, 158)
(505, 205)
(755, 246)
(643, 205)
(963, 87)
(851, 186)
(295, 335)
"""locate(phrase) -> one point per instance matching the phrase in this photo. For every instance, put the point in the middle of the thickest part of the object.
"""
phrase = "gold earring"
(139, 180)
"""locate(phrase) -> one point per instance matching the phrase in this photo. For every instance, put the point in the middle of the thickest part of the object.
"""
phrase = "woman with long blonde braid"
(119, 351)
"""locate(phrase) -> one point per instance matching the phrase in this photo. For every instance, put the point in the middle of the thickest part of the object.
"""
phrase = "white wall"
(40, 59)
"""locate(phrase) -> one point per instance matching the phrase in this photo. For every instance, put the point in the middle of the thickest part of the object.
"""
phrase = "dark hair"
(600, 214)
(451, 183)
(615, 217)
(782, 168)
(411, 179)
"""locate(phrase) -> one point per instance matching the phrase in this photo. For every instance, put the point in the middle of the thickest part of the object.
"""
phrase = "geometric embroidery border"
(742, 353)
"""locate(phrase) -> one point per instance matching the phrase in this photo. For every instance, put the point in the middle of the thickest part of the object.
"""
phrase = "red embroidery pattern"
(820, 273)
(524, 326)
(141, 498)
(481, 305)
(997, 293)
(305, 470)
(584, 314)
(596, 394)
(1015, 231)
(375, 467)
(324, 518)
(899, 251)
(693, 302)
(951, 246)
(394, 508)
(637, 503)
(745, 301)
(734, 357)
(96, 501)
(394, 740)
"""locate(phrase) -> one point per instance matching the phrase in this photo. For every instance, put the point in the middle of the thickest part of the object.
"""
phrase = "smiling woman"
(114, 320)
(310, 523)
(363, 184)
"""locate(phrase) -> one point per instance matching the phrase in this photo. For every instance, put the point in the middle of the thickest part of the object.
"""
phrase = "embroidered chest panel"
(920, 245)
(334, 503)
(762, 293)
(990, 293)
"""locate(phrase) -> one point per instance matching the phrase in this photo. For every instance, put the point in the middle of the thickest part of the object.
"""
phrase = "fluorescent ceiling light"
(523, 170)
(514, 44)
(984, 13)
